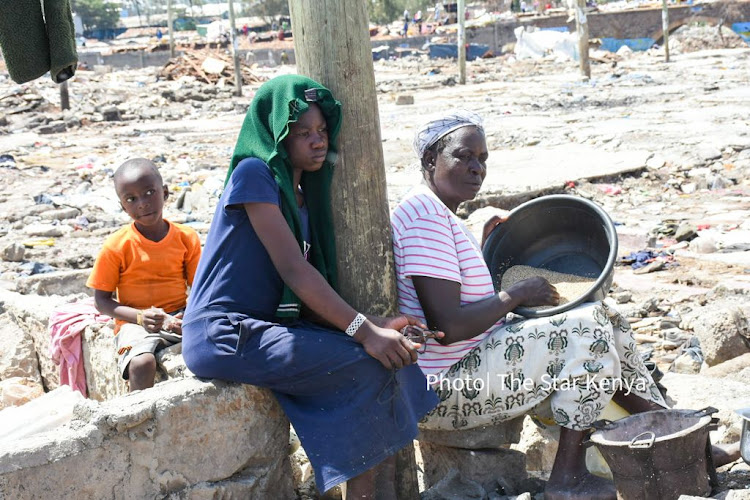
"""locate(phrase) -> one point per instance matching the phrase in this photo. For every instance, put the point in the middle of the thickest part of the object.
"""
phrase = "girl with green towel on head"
(263, 309)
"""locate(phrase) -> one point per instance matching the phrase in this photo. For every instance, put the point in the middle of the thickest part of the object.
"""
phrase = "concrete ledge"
(490, 468)
(190, 438)
(56, 283)
(486, 437)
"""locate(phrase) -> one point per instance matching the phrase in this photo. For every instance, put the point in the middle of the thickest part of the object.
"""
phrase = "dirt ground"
(657, 144)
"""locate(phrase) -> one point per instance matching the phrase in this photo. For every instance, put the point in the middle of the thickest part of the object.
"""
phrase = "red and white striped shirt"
(429, 240)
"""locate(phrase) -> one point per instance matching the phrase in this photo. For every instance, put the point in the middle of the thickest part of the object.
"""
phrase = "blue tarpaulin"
(742, 29)
(614, 44)
(380, 52)
(105, 34)
(450, 51)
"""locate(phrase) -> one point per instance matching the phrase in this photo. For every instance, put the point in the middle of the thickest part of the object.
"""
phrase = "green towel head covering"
(276, 104)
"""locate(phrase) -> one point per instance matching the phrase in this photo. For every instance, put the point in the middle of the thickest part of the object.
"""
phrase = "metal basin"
(562, 233)
(659, 455)
(745, 439)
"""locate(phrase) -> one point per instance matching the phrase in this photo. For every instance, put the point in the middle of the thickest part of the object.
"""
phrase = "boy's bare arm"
(151, 319)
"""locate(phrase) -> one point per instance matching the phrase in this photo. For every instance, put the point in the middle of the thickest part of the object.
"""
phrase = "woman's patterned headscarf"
(432, 131)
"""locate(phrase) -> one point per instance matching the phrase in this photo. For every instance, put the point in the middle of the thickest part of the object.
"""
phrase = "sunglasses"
(418, 335)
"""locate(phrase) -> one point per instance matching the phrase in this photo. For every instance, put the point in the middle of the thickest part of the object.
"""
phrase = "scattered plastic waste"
(43, 199)
(643, 258)
(32, 268)
(609, 189)
(693, 348)
(44, 242)
(7, 161)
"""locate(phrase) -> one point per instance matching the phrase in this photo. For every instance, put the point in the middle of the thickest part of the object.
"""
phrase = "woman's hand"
(535, 291)
(491, 224)
(396, 322)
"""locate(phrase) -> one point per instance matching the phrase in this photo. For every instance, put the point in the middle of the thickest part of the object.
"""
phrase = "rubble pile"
(696, 318)
(107, 98)
(694, 37)
(206, 67)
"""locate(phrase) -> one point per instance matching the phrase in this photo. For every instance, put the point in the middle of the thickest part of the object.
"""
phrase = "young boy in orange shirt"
(149, 265)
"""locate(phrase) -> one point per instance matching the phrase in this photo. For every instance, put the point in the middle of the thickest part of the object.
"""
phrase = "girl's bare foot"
(586, 487)
(725, 453)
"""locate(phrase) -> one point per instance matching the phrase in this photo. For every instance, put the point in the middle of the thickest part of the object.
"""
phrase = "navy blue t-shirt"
(235, 273)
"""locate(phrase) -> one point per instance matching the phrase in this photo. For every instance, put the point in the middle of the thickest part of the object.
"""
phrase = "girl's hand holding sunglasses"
(420, 335)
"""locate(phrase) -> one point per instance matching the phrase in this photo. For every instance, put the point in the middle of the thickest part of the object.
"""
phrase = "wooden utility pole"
(665, 28)
(343, 63)
(582, 27)
(170, 27)
(64, 97)
(235, 52)
(461, 13)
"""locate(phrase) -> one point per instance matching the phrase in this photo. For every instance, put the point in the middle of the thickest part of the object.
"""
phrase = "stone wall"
(183, 438)
(31, 313)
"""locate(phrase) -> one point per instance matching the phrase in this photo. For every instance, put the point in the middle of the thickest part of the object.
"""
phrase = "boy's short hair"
(136, 167)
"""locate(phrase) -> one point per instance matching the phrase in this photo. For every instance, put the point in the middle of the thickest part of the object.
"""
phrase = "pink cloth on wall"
(65, 326)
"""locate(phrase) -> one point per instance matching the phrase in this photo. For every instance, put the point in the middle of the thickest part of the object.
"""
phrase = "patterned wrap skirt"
(574, 362)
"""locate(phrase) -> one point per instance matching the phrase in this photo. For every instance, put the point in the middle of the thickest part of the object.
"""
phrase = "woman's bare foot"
(569, 479)
(725, 453)
(586, 487)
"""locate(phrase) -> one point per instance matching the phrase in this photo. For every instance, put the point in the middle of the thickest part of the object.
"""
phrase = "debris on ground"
(206, 67)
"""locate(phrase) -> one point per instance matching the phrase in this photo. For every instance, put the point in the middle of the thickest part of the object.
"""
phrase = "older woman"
(487, 370)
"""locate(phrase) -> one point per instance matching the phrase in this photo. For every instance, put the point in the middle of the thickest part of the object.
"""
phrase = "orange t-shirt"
(147, 273)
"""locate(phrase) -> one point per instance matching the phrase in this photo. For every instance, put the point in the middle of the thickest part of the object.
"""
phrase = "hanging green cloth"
(62, 42)
(23, 38)
(37, 37)
(276, 104)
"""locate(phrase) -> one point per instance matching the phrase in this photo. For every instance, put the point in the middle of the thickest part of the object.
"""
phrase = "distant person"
(274, 26)
(159, 34)
(438, 8)
(284, 57)
(407, 19)
(245, 30)
(142, 273)
(418, 21)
